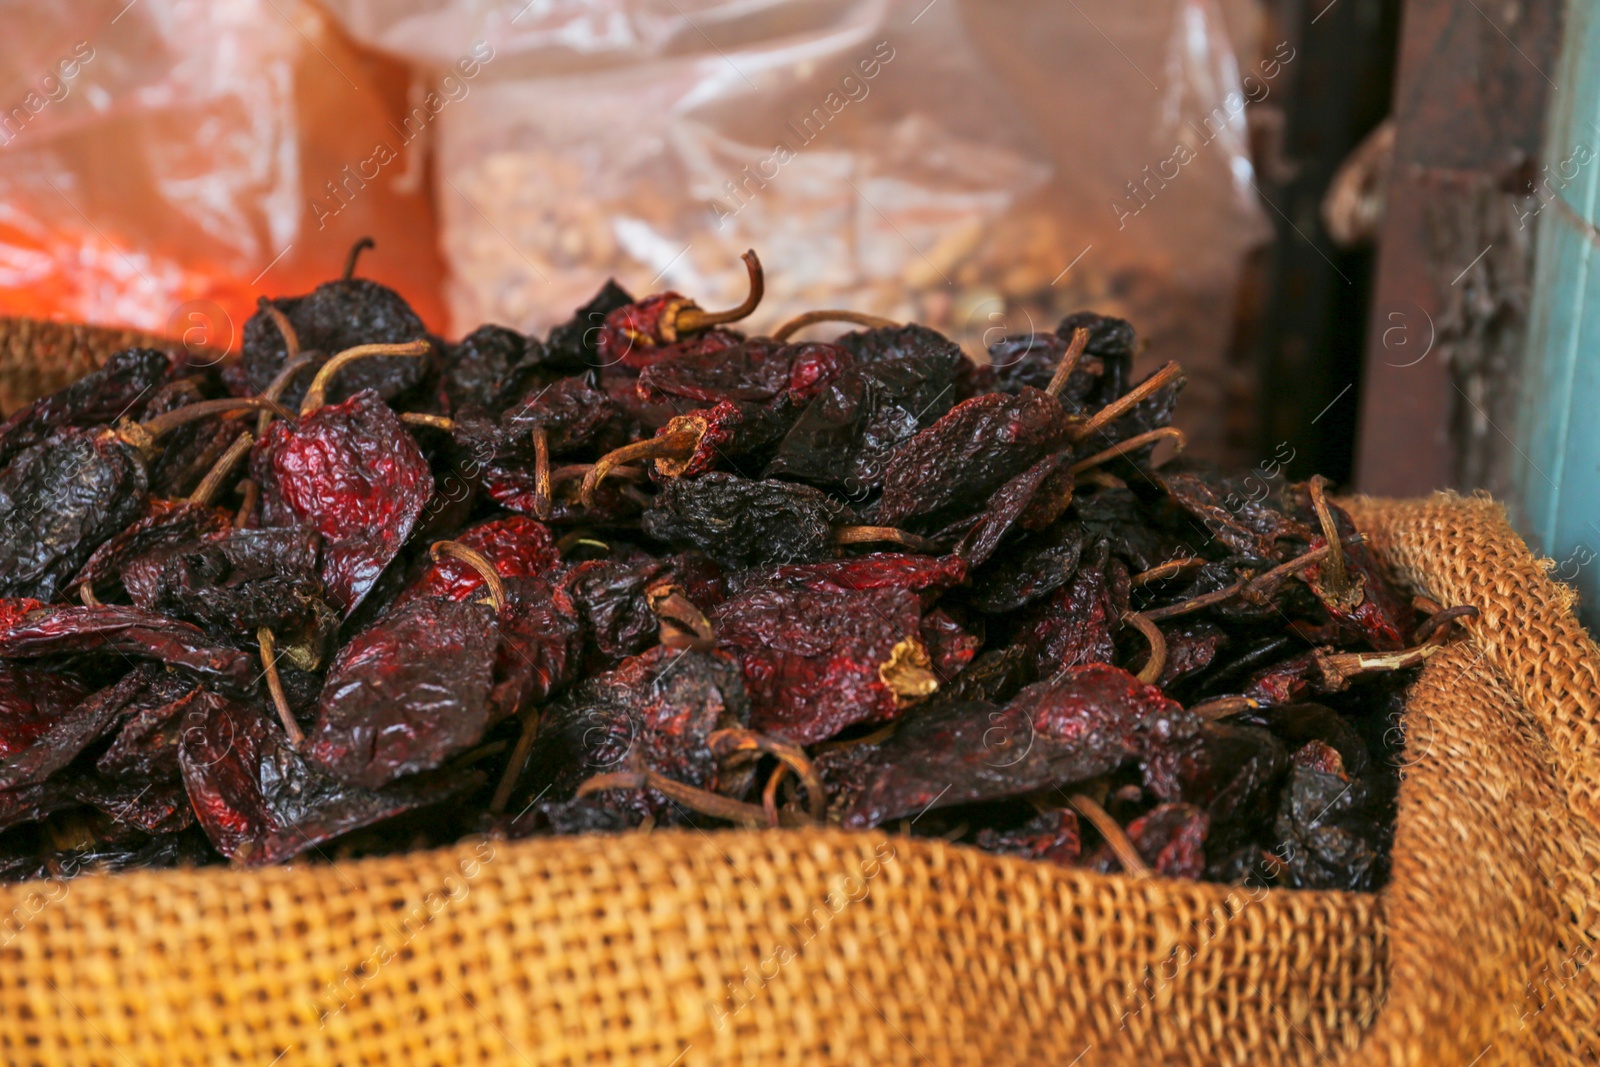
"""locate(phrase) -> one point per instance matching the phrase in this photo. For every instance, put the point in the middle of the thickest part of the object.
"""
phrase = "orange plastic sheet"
(163, 163)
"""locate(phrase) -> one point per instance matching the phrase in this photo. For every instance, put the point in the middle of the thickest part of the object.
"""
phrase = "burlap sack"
(39, 357)
(834, 948)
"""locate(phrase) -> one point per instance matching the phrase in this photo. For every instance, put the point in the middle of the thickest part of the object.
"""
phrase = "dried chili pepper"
(515, 546)
(233, 582)
(351, 472)
(656, 711)
(903, 380)
(1325, 818)
(61, 498)
(1348, 582)
(117, 390)
(971, 452)
(261, 802)
(1171, 838)
(1074, 625)
(145, 748)
(1010, 506)
(638, 334)
(1050, 836)
(729, 435)
(818, 660)
(475, 370)
(1089, 721)
(78, 727)
(1037, 567)
(408, 693)
(925, 575)
(31, 700)
(754, 371)
(742, 521)
(32, 630)
(334, 317)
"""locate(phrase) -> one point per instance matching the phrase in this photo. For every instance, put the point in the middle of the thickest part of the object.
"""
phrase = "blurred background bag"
(947, 162)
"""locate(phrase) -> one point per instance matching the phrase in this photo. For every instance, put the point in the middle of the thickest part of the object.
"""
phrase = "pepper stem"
(1169, 569)
(519, 760)
(576, 471)
(291, 340)
(1339, 669)
(1158, 647)
(1115, 836)
(769, 792)
(1120, 406)
(418, 418)
(1261, 585)
(478, 562)
(737, 740)
(689, 626)
(857, 535)
(1069, 361)
(86, 594)
(145, 434)
(316, 393)
(543, 491)
(691, 319)
(1428, 626)
(1222, 707)
(1253, 587)
(269, 665)
(280, 382)
(355, 256)
(810, 318)
(1337, 583)
(221, 469)
(1132, 444)
(678, 444)
(575, 538)
(701, 801)
(250, 492)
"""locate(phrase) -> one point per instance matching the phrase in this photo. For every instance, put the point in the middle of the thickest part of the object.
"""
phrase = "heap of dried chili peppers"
(363, 590)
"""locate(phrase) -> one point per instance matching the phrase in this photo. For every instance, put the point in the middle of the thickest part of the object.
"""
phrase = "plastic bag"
(162, 163)
(984, 168)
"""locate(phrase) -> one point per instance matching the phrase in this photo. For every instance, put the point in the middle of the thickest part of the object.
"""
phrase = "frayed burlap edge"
(1493, 910)
(833, 948)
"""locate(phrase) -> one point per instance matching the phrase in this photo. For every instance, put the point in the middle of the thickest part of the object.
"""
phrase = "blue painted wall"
(1557, 498)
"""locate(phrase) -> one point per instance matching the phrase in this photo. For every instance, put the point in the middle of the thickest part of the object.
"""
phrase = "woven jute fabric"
(832, 948)
(38, 356)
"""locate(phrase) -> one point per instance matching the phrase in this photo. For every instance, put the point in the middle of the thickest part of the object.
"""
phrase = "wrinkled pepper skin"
(656, 711)
(741, 522)
(407, 693)
(970, 452)
(1085, 724)
(262, 802)
(333, 317)
(29, 630)
(816, 660)
(118, 389)
(352, 473)
(59, 500)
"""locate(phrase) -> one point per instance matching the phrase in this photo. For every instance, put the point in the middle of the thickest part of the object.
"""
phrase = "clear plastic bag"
(985, 168)
(162, 163)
